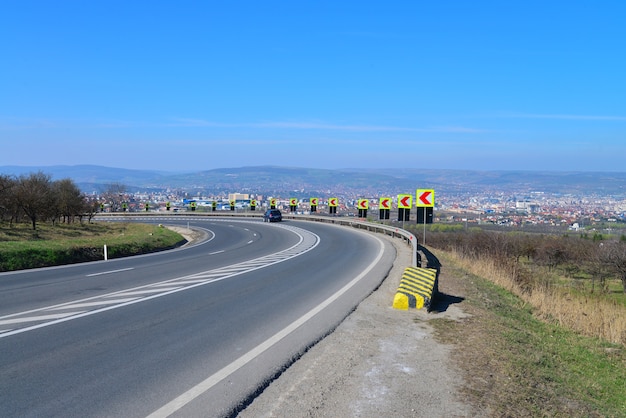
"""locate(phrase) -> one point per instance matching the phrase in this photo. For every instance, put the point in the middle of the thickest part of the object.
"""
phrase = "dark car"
(272, 215)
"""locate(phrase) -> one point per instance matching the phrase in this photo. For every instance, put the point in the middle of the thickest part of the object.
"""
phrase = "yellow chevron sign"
(425, 198)
(405, 201)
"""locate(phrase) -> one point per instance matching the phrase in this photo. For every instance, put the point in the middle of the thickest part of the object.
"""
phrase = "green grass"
(549, 363)
(517, 365)
(23, 248)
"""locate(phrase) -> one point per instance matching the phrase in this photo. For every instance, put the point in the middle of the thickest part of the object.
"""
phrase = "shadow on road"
(441, 301)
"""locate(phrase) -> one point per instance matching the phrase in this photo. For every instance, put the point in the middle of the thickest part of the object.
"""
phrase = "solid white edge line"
(182, 400)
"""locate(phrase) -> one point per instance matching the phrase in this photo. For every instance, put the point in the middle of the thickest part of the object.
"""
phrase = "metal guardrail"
(394, 232)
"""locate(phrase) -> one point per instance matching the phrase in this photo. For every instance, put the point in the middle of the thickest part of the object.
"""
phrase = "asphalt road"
(190, 332)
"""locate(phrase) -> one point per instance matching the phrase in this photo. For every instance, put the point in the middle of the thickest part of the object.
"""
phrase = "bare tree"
(551, 252)
(69, 199)
(33, 195)
(614, 254)
(7, 203)
(114, 195)
(90, 209)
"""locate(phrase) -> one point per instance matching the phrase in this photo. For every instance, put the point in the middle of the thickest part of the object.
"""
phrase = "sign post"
(333, 202)
(405, 201)
(363, 206)
(384, 207)
(425, 198)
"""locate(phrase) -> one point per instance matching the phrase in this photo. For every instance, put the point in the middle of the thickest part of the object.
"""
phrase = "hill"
(375, 182)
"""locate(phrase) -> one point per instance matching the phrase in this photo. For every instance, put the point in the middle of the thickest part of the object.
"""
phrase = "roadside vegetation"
(54, 245)
(546, 334)
(35, 199)
(576, 282)
(517, 364)
(47, 223)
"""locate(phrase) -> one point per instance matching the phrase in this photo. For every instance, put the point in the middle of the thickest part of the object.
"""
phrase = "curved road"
(190, 332)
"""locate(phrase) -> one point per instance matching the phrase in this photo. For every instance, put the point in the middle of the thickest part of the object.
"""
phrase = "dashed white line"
(109, 272)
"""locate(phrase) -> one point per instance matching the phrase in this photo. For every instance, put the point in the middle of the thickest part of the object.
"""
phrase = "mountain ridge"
(282, 179)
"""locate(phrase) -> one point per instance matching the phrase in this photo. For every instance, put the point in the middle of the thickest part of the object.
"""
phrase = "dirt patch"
(191, 235)
(378, 362)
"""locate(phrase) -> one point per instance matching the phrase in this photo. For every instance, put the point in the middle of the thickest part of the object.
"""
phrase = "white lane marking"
(147, 291)
(216, 252)
(90, 304)
(182, 400)
(183, 282)
(308, 240)
(109, 272)
(36, 318)
(250, 242)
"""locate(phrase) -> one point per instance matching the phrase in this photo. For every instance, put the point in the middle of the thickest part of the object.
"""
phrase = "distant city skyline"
(201, 85)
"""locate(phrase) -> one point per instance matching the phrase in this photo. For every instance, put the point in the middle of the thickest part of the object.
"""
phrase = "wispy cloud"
(565, 117)
(10, 124)
(182, 122)
(328, 127)
(307, 125)
(193, 123)
(456, 129)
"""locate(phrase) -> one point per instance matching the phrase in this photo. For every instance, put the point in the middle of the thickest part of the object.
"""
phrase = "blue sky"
(195, 85)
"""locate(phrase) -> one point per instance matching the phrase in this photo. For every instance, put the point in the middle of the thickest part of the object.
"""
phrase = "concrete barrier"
(417, 288)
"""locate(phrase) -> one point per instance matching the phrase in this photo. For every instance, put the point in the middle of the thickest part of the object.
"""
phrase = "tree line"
(595, 259)
(37, 198)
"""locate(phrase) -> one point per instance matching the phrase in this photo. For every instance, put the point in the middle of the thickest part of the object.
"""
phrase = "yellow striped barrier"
(416, 289)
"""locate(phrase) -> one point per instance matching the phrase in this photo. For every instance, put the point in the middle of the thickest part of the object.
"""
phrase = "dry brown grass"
(517, 365)
(590, 314)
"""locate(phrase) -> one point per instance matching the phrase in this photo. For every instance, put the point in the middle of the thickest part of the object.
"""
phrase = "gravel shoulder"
(380, 362)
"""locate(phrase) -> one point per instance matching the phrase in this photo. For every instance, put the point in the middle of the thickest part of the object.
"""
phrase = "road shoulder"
(378, 362)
